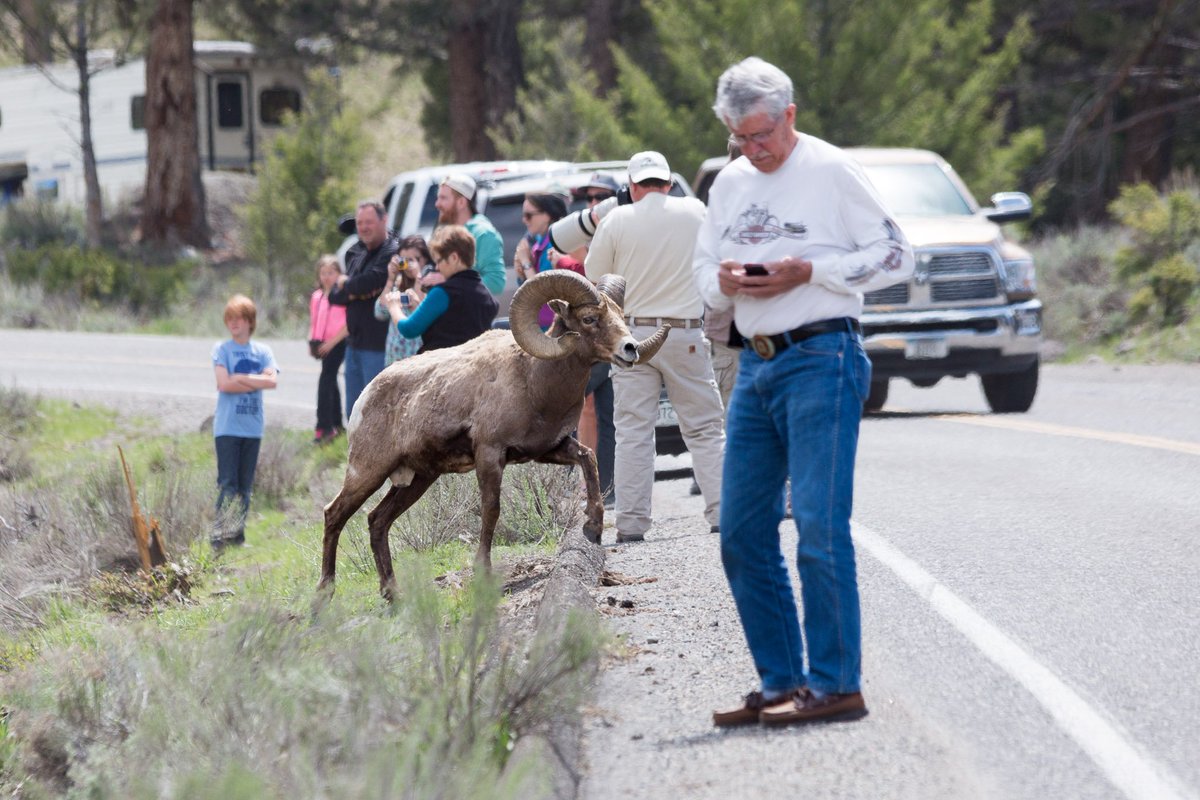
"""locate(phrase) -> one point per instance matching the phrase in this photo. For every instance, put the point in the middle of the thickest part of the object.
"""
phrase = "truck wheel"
(1011, 392)
(877, 396)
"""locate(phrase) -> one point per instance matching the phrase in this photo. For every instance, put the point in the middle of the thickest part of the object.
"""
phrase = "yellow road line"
(1049, 429)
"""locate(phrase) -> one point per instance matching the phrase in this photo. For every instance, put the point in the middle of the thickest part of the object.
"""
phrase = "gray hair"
(752, 86)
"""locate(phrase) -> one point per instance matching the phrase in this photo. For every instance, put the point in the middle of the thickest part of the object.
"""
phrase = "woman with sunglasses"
(534, 253)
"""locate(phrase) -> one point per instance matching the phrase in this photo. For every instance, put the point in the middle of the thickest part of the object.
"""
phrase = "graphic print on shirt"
(892, 260)
(250, 403)
(757, 225)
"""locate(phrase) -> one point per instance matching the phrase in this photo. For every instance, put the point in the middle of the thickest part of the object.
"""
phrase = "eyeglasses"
(760, 138)
(596, 198)
(528, 215)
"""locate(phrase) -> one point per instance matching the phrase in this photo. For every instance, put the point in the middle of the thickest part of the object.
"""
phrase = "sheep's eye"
(590, 319)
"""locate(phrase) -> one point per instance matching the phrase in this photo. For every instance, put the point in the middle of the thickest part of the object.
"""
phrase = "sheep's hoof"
(592, 532)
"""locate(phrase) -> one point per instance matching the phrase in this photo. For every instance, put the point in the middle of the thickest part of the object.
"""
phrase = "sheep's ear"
(559, 307)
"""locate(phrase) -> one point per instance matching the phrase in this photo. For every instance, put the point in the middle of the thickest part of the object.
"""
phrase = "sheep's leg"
(339, 510)
(489, 471)
(398, 500)
(570, 453)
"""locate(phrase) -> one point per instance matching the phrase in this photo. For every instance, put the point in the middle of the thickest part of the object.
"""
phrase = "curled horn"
(536, 292)
(650, 345)
(614, 287)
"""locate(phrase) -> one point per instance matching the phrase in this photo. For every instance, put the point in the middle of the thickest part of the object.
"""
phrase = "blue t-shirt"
(241, 413)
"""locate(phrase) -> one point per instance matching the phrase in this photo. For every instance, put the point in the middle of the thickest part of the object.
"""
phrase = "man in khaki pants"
(650, 243)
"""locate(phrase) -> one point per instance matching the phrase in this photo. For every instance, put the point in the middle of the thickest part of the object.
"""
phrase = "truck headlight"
(1020, 279)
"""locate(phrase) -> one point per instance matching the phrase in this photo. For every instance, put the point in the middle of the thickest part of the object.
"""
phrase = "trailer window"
(229, 105)
(273, 104)
(137, 112)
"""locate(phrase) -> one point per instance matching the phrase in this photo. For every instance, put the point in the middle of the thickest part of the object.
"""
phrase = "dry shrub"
(18, 417)
(55, 542)
(282, 466)
(272, 703)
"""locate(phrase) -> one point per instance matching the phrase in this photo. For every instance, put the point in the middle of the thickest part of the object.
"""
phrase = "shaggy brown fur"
(480, 406)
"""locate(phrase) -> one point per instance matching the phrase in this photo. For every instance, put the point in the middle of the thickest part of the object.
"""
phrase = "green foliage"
(1085, 303)
(34, 223)
(269, 702)
(99, 276)
(888, 74)
(1157, 264)
(305, 185)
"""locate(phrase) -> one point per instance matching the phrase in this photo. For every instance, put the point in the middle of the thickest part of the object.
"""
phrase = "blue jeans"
(796, 416)
(237, 461)
(361, 368)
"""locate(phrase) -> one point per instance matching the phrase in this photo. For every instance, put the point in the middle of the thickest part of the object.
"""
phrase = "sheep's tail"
(356, 415)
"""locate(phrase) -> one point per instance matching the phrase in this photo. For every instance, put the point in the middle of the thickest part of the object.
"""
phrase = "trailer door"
(230, 126)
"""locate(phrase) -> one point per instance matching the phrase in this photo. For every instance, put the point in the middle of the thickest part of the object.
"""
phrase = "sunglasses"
(527, 215)
(596, 198)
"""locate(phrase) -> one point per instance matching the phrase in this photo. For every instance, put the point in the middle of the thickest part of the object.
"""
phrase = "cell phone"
(754, 269)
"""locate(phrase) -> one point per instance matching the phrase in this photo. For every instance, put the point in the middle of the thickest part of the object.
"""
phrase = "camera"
(577, 229)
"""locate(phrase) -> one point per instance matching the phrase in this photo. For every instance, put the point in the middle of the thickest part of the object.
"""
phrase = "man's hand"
(782, 276)
(341, 280)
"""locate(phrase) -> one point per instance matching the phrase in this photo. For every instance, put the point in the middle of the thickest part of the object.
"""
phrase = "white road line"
(1132, 770)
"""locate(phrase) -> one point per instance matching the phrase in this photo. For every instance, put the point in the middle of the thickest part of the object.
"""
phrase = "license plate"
(926, 348)
(666, 414)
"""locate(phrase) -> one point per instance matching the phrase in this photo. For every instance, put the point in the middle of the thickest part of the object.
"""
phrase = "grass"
(219, 676)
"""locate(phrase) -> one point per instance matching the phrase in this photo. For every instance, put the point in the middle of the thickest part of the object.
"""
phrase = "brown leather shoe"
(746, 714)
(804, 707)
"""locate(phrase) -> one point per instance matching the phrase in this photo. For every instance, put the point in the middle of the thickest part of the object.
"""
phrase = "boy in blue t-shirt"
(243, 369)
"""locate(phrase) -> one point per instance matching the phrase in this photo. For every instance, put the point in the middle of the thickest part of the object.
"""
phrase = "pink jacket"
(324, 319)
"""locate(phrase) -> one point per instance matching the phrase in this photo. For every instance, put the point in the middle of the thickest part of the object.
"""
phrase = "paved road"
(167, 377)
(1029, 588)
(1030, 604)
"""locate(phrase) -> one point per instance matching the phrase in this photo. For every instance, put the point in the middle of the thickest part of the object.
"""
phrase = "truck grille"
(896, 295)
(960, 263)
(954, 291)
(944, 278)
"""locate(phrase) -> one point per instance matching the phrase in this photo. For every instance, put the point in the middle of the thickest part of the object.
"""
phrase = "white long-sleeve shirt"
(818, 206)
(650, 243)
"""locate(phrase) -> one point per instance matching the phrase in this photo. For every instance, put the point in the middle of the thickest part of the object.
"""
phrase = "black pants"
(329, 399)
(600, 384)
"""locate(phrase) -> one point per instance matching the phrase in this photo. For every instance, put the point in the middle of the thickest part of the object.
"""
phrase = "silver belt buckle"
(764, 346)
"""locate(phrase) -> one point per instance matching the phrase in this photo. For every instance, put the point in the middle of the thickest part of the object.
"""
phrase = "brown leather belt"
(658, 322)
(768, 346)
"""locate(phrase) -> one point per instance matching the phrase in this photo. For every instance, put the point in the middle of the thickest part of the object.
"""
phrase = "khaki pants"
(725, 368)
(684, 366)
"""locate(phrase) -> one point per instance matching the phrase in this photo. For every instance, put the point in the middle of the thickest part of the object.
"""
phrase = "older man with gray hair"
(795, 234)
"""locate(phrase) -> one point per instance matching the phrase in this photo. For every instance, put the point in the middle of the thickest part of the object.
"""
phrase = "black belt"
(768, 346)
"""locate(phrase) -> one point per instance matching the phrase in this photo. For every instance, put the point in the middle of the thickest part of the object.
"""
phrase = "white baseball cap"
(648, 165)
(463, 184)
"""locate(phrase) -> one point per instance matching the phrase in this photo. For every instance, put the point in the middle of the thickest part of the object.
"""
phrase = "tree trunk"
(601, 17)
(503, 71)
(35, 37)
(173, 211)
(466, 46)
(94, 212)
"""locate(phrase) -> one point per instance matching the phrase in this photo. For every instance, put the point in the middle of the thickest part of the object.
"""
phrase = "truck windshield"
(917, 190)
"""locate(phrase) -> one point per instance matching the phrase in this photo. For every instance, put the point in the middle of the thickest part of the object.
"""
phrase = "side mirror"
(1009, 207)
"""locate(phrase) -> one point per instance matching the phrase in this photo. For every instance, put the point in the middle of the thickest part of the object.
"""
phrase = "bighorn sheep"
(501, 398)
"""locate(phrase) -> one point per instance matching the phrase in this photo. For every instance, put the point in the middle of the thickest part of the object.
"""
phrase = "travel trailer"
(241, 102)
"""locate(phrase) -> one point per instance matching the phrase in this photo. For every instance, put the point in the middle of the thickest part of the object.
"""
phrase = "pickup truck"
(971, 306)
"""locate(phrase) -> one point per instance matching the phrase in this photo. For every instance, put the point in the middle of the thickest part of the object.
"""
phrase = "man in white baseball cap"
(456, 206)
(650, 242)
(648, 165)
